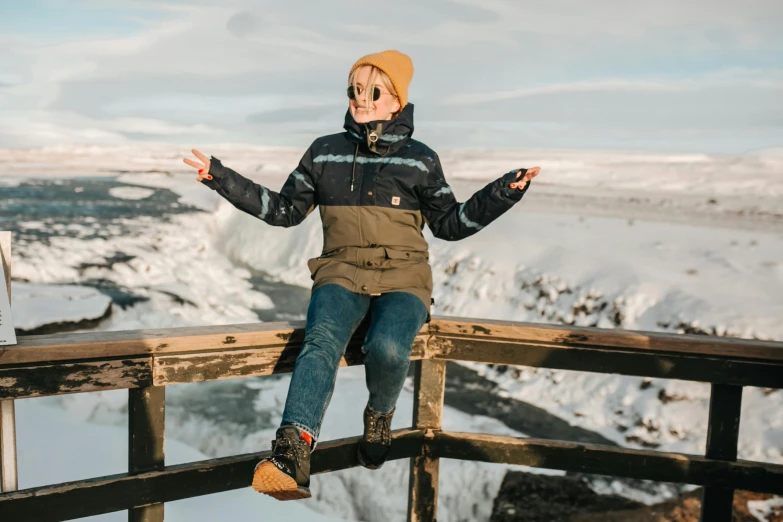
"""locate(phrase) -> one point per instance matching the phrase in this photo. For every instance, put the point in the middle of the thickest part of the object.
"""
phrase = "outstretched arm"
(287, 208)
(450, 220)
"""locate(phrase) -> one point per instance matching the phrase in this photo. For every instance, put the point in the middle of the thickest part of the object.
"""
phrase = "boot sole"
(269, 480)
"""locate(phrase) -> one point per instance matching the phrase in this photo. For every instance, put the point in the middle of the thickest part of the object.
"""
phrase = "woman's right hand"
(203, 167)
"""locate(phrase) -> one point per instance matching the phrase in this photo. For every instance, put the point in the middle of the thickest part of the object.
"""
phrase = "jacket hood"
(382, 136)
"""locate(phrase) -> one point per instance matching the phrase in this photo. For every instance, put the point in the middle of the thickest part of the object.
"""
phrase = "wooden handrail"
(195, 339)
(607, 460)
(146, 361)
(78, 362)
(608, 338)
(96, 496)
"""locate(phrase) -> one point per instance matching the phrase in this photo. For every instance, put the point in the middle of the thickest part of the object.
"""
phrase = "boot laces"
(379, 427)
(283, 447)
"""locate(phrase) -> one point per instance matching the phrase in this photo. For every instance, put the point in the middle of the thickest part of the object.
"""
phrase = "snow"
(130, 192)
(761, 509)
(678, 243)
(756, 173)
(35, 305)
(168, 258)
(664, 272)
(190, 193)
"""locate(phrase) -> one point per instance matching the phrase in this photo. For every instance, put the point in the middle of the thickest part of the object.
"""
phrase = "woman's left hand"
(530, 174)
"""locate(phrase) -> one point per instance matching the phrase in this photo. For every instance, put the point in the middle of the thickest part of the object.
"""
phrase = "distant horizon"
(765, 151)
(665, 78)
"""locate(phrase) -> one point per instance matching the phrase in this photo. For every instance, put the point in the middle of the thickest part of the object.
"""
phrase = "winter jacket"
(375, 188)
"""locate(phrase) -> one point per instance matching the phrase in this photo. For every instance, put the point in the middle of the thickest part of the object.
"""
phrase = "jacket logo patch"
(396, 200)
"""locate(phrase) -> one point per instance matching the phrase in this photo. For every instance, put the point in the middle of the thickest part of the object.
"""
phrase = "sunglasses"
(376, 93)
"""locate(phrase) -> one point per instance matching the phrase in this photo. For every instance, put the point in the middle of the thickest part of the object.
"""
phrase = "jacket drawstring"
(353, 168)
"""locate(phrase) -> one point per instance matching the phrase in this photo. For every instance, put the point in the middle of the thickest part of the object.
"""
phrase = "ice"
(130, 192)
(36, 305)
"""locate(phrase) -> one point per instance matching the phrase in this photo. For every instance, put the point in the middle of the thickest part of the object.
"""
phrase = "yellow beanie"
(397, 66)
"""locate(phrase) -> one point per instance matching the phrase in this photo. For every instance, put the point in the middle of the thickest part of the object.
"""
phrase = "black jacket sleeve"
(450, 220)
(287, 208)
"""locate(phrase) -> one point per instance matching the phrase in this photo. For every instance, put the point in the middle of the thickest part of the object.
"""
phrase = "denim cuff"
(301, 427)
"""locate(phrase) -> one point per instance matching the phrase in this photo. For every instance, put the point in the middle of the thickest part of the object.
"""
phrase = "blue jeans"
(333, 315)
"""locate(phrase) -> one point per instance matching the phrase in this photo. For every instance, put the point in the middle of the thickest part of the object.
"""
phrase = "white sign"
(7, 335)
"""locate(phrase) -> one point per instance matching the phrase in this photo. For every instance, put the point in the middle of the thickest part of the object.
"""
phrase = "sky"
(703, 76)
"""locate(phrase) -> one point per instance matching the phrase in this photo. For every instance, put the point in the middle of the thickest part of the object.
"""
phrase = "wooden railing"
(146, 361)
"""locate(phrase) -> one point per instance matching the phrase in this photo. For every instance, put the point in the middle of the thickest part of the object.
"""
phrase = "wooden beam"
(429, 383)
(657, 342)
(158, 370)
(60, 379)
(119, 492)
(162, 369)
(9, 477)
(644, 363)
(194, 339)
(125, 343)
(607, 460)
(210, 366)
(9, 480)
(722, 437)
(146, 428)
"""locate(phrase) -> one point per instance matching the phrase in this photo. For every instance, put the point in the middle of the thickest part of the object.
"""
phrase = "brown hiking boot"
(374, 446)
(286, 474)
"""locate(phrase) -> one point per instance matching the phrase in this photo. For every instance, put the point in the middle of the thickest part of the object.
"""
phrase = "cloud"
(244, 23)
(486, 71)
(323, 113)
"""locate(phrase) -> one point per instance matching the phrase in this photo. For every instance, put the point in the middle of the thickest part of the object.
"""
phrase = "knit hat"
(397, 66)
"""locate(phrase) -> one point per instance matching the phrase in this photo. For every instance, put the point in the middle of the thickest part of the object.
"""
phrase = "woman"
(375, 187)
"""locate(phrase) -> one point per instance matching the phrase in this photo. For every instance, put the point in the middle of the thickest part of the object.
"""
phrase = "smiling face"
(362, 107)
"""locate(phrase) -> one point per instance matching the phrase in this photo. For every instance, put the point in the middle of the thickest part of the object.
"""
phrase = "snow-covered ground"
(677, 243)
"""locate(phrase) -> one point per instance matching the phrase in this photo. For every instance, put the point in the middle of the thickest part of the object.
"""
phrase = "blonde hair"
(375, 72)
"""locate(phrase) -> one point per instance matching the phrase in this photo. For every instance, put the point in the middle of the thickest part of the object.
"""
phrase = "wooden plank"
(608, 460)
(609, 338)
(701, 368)
(146, 422)
(9, 476)
(59, 379)
(189, 339)
(210, 366)
(124, 343)
(95, 345)
(429, 383)
(95, 375)
(423, 487)
(115, 493)
(5, 258)
(722, 437)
